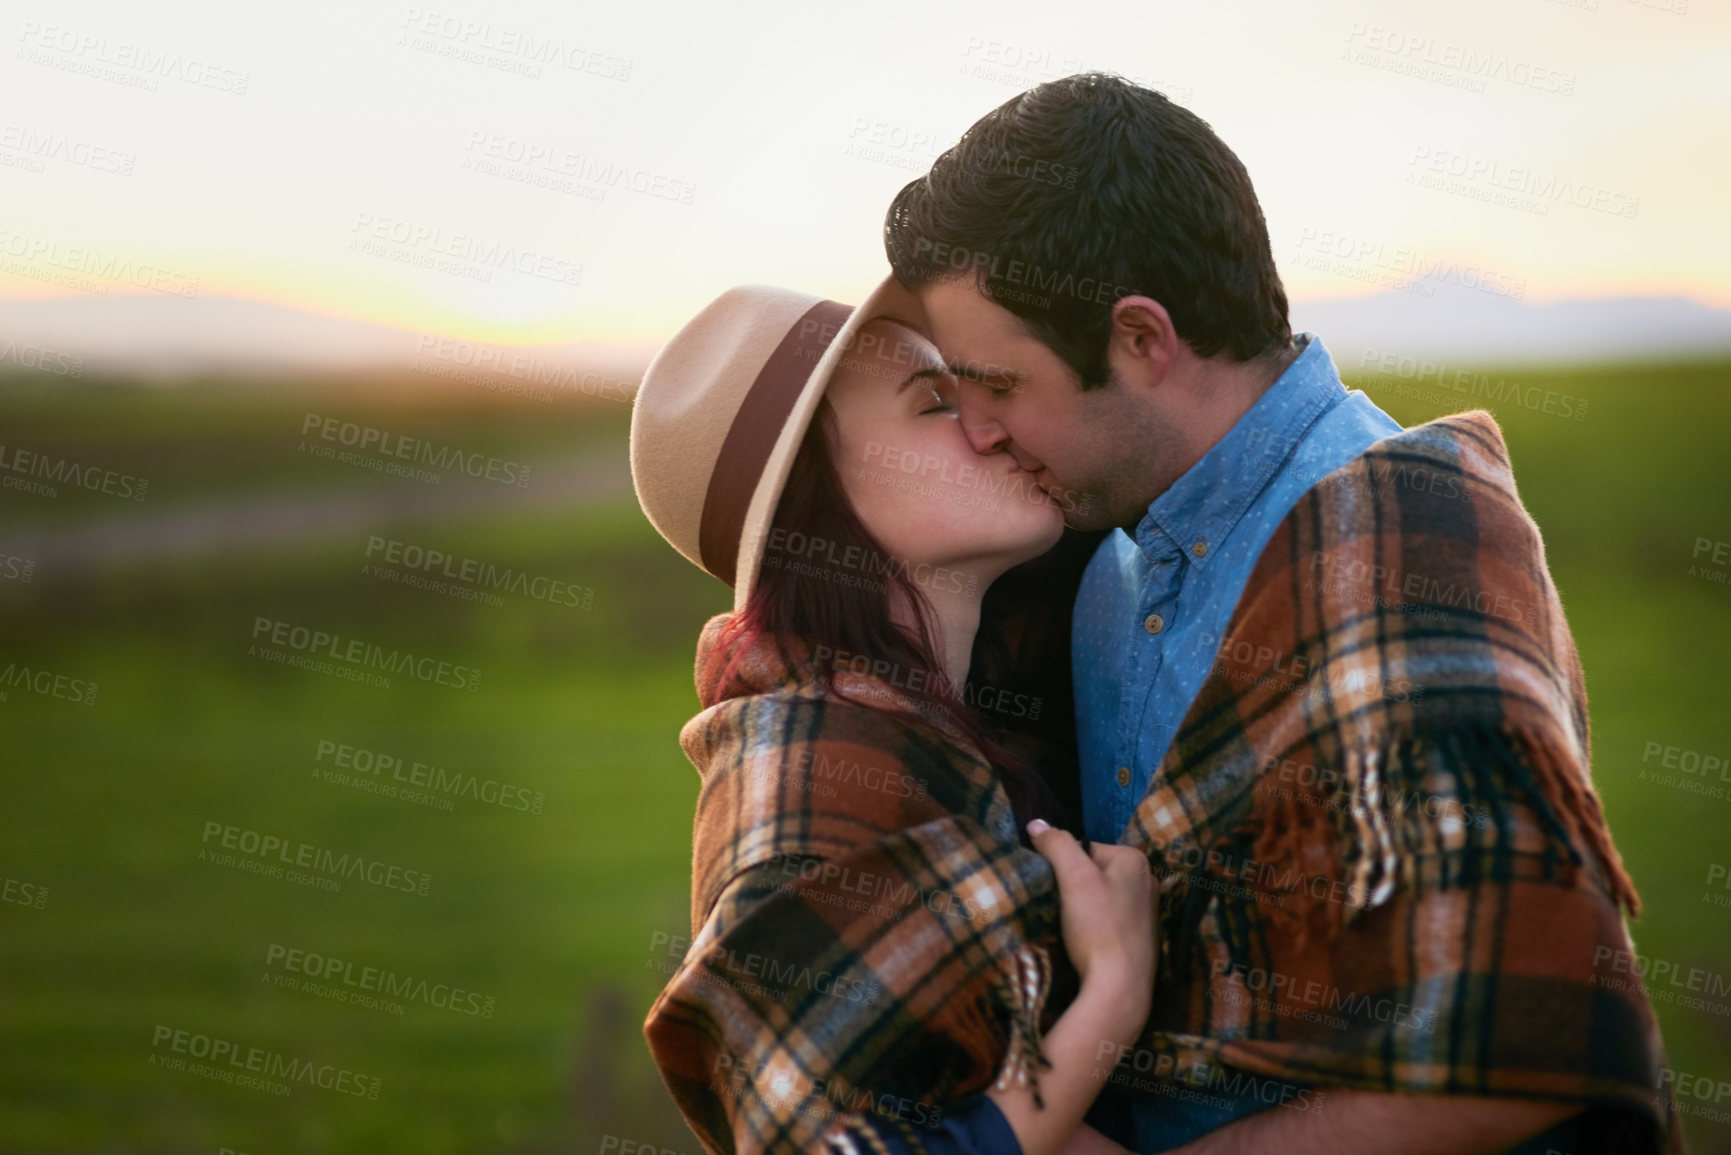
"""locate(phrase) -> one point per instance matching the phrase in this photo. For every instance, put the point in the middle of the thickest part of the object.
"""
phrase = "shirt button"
(1200, 549)
(1123, 775)
(1153, 623)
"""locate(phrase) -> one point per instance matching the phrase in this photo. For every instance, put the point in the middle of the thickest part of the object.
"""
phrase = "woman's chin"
(1041, 535)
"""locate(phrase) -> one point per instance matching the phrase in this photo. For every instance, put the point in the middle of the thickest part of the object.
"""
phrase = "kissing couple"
(1125, 738)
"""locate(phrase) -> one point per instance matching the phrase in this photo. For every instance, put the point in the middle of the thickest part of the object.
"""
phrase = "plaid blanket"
(869, 935)
(1384, 865)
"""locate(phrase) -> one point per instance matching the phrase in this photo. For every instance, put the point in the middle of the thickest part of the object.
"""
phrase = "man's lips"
(1041, 479)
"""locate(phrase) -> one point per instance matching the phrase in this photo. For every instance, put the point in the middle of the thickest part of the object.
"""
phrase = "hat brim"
(891, 300)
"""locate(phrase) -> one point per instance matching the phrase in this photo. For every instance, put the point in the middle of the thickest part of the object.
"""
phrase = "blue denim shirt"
(1151, 610)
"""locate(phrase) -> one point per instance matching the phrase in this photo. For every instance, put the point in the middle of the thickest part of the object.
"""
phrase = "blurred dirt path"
(237, 524)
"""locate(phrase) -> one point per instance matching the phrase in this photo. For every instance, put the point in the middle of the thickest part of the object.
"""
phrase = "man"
(1320, 672)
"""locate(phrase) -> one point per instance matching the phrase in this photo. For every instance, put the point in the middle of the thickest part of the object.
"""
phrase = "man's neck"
(1224, 392)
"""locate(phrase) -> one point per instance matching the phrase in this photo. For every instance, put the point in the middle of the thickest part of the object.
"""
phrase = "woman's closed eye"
(937, 392)
(935, 403)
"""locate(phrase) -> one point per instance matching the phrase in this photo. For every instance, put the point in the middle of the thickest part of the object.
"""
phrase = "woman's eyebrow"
(927, 373)
(906, 324)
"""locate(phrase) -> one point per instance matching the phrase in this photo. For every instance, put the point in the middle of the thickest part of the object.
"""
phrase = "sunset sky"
(627, 162)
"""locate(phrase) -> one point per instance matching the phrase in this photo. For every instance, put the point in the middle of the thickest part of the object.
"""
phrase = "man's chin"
(1092, 519)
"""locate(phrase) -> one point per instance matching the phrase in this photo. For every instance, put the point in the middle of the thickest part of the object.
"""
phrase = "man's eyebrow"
(966, 369)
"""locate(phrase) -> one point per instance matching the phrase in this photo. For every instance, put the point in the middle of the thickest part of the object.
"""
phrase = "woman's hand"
(1107, 901)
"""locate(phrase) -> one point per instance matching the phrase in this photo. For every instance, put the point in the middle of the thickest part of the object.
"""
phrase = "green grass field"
(551, 915)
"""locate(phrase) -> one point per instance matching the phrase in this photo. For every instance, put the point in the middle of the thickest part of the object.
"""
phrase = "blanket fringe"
(1021, 987)
(1561, 785)
(1370, 824)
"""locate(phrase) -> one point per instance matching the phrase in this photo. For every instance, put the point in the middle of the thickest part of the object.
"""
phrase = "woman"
(871, 939)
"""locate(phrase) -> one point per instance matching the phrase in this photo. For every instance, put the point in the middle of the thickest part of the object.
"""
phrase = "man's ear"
(1143, 345)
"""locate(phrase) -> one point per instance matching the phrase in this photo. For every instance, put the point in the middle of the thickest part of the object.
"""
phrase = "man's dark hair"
(1087, 189)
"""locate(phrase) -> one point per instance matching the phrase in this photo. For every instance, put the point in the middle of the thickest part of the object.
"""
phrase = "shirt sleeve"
(972, 1126)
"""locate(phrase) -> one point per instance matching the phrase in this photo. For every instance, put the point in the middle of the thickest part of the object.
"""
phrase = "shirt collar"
(1204, 505)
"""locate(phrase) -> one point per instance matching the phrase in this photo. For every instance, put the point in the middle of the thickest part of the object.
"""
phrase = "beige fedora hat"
(723, 408)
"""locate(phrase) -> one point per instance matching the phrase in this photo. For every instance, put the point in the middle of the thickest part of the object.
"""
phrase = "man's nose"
(983, 431)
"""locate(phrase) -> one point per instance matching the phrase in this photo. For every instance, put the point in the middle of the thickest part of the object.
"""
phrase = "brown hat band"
(757, 425)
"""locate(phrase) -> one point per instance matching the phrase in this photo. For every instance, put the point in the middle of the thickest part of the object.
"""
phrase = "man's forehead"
(952, 303)
(893, 340)
(972, 331)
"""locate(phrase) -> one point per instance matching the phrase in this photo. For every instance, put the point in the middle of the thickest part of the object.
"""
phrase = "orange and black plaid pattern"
(869, 937)
(1384, 863)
